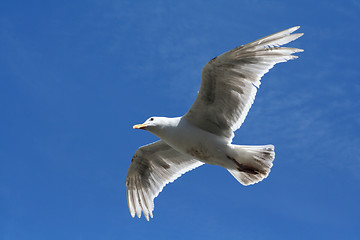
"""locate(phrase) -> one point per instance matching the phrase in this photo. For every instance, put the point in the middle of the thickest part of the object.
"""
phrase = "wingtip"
(129, 200)
(296, 35)
(293, 29)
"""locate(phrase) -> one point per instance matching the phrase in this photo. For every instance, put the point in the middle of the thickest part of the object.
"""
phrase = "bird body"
(188, 139)
(197, 143)
(204, 134)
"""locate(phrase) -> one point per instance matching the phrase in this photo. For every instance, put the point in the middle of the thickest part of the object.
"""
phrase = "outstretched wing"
(230, 81)
(152, 167)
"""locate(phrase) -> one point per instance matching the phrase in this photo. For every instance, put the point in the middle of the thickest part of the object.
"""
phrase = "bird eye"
(151, 119)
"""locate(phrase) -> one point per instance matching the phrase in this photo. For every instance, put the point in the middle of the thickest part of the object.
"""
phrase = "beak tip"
(139, 126)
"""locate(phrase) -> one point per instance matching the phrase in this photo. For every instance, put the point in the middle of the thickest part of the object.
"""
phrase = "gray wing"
(230, 81)
(151, 168)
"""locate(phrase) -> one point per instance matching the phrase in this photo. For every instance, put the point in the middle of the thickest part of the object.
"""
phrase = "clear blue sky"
(76, 75)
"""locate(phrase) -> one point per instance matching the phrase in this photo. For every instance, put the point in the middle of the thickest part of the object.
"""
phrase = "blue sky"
(76, 75)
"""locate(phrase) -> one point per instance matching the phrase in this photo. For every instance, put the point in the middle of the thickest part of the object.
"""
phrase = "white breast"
(200, 144)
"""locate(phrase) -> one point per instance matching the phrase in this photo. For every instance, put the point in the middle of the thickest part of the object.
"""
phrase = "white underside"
(202, 145)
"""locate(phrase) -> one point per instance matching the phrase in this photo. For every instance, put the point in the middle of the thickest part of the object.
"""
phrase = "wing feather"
(152, 167)
(230, 81)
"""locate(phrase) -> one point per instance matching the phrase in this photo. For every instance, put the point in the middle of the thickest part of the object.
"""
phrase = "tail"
(251, 163)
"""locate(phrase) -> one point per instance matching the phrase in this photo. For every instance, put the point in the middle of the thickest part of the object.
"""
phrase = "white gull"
(204, 134)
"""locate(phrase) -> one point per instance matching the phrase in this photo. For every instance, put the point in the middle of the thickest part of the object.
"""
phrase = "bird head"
(150, 123)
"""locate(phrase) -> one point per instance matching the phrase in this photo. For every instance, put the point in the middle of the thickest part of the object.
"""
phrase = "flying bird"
(204, 134)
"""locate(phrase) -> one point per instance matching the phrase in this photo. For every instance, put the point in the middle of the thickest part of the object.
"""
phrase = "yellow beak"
(139, 126)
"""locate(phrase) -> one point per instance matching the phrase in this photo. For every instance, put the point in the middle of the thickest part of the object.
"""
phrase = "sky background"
(76, 75)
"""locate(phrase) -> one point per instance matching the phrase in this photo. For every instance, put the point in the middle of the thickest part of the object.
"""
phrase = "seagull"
(204, 134)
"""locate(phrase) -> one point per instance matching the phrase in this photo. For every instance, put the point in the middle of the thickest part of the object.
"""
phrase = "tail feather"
(252, 163)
